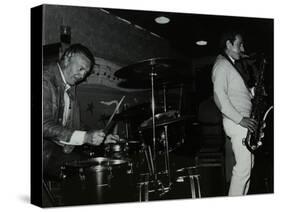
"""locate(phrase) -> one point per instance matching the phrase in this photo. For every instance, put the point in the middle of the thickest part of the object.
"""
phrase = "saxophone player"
(233, 98)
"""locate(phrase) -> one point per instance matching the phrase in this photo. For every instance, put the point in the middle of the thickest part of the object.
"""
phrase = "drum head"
(96, 163)
(87, 163)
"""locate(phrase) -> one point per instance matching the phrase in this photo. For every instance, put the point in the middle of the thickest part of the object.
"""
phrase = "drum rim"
(110, 163)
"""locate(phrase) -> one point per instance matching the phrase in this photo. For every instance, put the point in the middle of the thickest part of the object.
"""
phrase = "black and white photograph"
(140, 105)
(144, 106)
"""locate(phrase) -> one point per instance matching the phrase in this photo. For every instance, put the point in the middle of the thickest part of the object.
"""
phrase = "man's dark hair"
(80, 49)
(228, 35)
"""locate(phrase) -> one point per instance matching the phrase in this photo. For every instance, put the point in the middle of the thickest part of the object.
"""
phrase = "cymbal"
(135, 84)
(172, 82)
(162, 119)
(162, 69)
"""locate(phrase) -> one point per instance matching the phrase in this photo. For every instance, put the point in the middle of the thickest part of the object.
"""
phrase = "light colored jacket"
(231, 95)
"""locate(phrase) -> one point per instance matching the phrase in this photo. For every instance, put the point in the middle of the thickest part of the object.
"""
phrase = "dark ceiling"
(184, 30)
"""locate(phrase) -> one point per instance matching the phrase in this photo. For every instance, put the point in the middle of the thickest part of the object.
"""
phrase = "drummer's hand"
(94, 137)
(111, 139)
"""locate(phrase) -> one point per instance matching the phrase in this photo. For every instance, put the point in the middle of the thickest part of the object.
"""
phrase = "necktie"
(70, 93)
(67, 105)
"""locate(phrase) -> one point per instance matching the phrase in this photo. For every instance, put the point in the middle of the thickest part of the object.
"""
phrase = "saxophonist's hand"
(249, 123)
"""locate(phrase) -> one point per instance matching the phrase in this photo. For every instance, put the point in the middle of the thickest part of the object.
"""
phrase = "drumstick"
(113, 114)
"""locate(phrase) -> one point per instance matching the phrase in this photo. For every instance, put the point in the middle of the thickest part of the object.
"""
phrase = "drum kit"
(140, 157)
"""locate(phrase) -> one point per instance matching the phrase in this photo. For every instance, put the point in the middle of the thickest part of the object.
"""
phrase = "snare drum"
(125, 149)
(94, 180)
(117, 150)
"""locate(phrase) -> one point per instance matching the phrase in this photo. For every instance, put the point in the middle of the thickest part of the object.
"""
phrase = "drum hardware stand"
(156, 186)
(144, 185)
(193, 175)
(152, 75)
(149, 159)
(180, 100)
(125, 107)
(166, 142)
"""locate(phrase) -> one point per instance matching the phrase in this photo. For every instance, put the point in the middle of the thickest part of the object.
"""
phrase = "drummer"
(61, 120)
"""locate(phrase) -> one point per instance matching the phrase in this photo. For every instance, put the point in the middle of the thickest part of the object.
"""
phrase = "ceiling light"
(201, 43)
(162, 20)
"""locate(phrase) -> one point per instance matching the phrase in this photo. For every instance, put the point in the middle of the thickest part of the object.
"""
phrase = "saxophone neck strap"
(242, 73)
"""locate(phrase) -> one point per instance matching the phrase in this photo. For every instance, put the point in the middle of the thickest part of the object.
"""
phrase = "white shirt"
(230, 92)
(77, 137)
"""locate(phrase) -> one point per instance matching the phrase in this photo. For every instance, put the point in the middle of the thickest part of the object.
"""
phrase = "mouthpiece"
(244, 56)
(249, 56)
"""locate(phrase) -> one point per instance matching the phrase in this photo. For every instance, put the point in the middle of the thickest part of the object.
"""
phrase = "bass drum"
(96, 180)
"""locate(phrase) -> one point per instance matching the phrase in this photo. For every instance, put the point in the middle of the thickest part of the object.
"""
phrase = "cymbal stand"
(152, 76)
(166, 142)
(148, 157)
(125, 107)
(180, 99)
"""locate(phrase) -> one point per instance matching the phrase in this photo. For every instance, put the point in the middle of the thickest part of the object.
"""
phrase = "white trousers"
(240, 179)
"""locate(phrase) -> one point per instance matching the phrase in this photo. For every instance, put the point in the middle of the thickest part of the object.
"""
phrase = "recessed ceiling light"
(162, 20)
(201, 43)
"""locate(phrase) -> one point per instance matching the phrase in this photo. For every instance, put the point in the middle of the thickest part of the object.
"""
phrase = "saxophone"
(260, 111)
